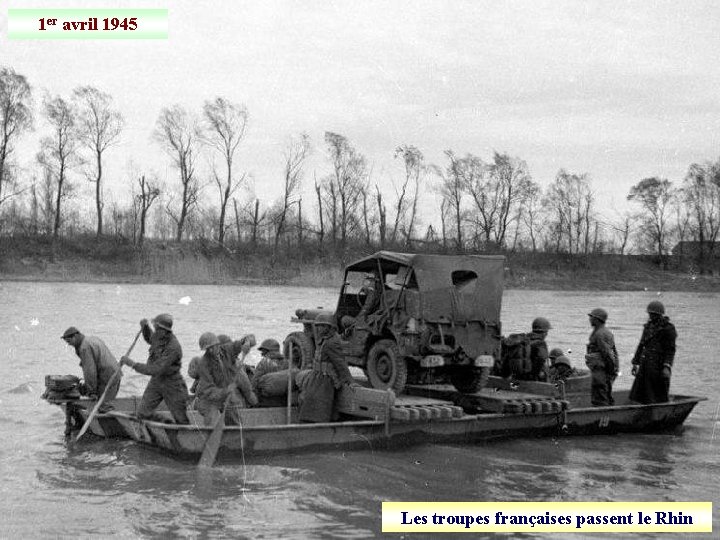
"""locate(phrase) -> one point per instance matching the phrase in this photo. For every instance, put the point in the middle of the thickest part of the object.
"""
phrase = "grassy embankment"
(89, 260)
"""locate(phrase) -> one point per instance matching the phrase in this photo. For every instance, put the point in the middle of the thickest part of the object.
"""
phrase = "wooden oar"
(100, 401)
(212, 444)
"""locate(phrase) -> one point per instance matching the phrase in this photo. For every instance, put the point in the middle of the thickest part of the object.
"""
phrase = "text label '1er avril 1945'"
(92, 23)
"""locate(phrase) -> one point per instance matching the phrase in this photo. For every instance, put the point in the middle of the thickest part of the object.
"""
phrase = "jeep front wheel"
(385, 367)
(302, 349)
(469, 380)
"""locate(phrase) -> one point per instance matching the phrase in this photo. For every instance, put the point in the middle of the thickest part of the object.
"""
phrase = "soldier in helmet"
(560, 367)
(98, 365)
(539, 349)
(653, 360)
(330, 372)
(272, 361)
(601, 358)
(221, 381)
(163, 366)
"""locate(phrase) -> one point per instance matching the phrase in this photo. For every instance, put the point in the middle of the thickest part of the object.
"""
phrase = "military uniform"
(560, 372)
(216, 371)
(319, 388)
(270, 363)
(538, 357)
(98, 365)
(655, 351)
(166, 382)
(602, 360)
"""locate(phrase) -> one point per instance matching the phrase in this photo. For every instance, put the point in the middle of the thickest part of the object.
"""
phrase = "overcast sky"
(618, 90)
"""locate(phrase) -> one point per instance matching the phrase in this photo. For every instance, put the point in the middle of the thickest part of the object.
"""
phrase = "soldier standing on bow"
(653, 360)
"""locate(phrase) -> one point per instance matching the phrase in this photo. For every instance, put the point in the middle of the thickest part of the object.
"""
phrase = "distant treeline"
(112, 259)
(482, 205)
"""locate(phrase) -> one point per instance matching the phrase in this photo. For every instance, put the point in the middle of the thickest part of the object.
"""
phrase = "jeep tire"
(469, 379)
(385, 367)
(302, 348)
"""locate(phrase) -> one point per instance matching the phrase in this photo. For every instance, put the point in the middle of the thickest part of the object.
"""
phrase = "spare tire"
(469, 379)
(302, 349)
(385, 367)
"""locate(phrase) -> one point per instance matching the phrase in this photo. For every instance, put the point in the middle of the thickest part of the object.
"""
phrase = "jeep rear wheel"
(469, 380)
(302, 349)
(385, 367)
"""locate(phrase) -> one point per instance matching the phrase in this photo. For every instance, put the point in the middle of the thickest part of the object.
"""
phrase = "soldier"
(271, 361)
(653, 360)
(220, 378)
(560, 367)
(163, 365)
(330, 372)
(601, 358)
(193, 373)
(539, 349)
(98, 365)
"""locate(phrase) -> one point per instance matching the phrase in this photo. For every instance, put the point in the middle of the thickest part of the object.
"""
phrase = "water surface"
(99, 488)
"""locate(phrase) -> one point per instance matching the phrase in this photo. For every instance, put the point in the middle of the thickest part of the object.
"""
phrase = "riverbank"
(110, 261)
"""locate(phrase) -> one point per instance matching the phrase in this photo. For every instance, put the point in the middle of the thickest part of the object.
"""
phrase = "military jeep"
(434, 318)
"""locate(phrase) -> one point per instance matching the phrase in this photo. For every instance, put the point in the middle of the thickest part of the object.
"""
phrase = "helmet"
(207, 340)
(70, 332)
(541, 324)
(562, 359)
(269, 345)
(223, 338)
(326, 318)
(556, 353)
(600, 314)
(164, 320)
(656, 307)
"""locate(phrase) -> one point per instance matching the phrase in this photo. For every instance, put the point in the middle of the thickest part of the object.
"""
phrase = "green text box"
(87, 23)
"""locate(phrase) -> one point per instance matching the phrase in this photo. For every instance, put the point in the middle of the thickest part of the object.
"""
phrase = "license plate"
(434, 360)
(485, 360)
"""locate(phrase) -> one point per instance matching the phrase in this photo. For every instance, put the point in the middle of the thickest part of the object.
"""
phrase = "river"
(101, 488)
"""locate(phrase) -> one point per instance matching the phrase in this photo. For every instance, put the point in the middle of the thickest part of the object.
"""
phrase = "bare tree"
(256, 220)
(330, 203)
(571, 204)
(683, 218)
(443, 221)
(654, 196)
(510, 182)
(414, 170)
(452, 190)
(321, 221)
(532, 214)
(345, 183)
(366, 215)
(702, 197)
(47, 202)
(58, 152)
(99, 126)
(149, 192)
(473, 174)
(15, 118)
(225, 124)
(382, 217)
(177, 133)
(623, 227)
(296, 152)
